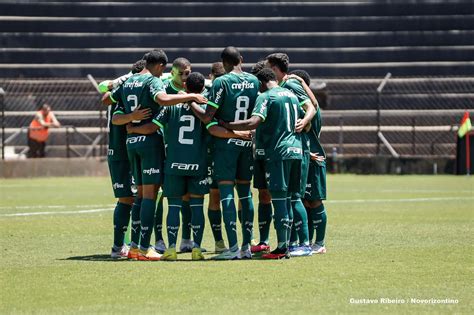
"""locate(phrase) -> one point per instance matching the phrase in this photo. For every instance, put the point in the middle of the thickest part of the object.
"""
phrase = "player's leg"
(278, 179)
(121, 184)
(264, 207)
(318, 210)
(158, 227)
(151, 159)
(174, 188)
(135, 166)
(215, 217)
(197, 187)
(225, 167)
(244, 176)
(186, 241)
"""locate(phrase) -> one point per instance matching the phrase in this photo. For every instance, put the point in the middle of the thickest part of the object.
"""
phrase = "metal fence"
(405, 117)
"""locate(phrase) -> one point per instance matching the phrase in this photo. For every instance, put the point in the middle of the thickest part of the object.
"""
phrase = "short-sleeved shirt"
(139, 90)
(278, 107)
(233, 95)
(187, 139)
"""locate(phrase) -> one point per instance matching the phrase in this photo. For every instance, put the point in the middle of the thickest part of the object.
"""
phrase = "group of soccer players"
(191, 141)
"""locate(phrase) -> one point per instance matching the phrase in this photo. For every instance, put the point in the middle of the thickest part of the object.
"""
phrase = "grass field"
(396, 237)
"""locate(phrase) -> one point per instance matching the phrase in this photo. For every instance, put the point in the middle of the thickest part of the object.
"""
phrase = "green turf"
(396, 237)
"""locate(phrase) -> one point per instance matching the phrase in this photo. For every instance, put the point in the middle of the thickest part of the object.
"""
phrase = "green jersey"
(170, 87)
(117, 150)
(297, 89)
(139, 90)
(233, 95)
(187, 138)
(278, 107)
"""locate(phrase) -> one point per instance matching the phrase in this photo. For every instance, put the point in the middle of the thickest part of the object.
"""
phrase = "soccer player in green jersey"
(175, 84)
(186, 164)
(232, 98)
(146, 152)
(275, 116)
(119, 166)
(279, 63)
(316, 185)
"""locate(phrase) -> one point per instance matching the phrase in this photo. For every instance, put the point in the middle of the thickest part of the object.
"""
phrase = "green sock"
(147, 218)
(158, 226)
(294, 234)
(264, 221)
(186, 220)
(216, 224)
(135, 233)
(245, 197)
(121, 218)
(319, 218)
(229, 214)
(197, 219)
(290, 218)
(172, 220)
(310, 225)
(280, 217)
(300, 220)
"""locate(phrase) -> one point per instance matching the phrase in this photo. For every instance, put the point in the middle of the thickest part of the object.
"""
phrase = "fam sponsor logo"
(151, 171)
(240, 142)
(242, 85)
(295, 150)
(136, 139)
(185, 167)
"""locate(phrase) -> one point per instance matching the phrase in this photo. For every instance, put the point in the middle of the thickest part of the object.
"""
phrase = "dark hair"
(231, 55)
(257, 67)
(280, 60)
(266, 75)
(181, 62)
(217, 69)
(195, 82)
(138, 66)
(303, 75)
(154, 57)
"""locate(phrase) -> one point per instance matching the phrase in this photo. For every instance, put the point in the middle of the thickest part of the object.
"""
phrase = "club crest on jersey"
(243, 85)
(240, 142)
(185, 167)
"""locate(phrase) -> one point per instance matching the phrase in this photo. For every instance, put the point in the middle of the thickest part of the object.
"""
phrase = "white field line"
(347, 201)
(400, 200)
(27, 214)
(56, 206)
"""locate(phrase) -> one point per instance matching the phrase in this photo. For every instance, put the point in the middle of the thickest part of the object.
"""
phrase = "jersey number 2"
(183, 129)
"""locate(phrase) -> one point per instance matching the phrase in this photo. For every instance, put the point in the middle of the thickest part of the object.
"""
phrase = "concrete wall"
(53, 167)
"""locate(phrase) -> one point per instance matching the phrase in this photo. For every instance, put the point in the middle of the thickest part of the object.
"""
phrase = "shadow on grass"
(105, 257)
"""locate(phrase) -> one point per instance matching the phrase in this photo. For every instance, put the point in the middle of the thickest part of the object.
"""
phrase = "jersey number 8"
(242, 105)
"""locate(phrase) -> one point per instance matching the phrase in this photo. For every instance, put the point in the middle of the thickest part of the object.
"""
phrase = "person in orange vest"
(39, 131)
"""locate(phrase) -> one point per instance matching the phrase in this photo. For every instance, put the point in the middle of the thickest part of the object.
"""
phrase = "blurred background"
(393, 78)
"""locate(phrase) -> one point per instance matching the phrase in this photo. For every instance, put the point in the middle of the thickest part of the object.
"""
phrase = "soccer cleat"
(245, 254)
(160, 246)
(300, 251)
(196, 254)
(278, 253)
(133, 253)
(228, 255)
(186, 246)
(149, 254)
(318, 249)
(261, 247)
(170, 255)
(220, 247)
(119, 253)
